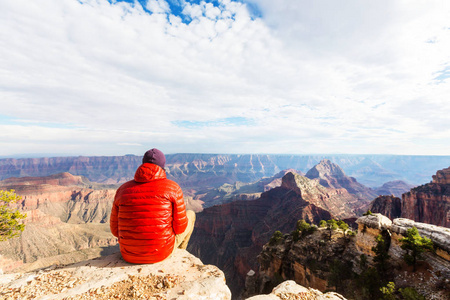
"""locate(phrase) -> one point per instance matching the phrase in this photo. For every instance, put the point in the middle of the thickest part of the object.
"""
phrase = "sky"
(98, 77)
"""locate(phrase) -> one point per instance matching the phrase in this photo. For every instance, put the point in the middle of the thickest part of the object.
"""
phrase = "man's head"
(154, 156)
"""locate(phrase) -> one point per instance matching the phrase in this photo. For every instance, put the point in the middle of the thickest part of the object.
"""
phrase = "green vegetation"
(367, 213)
(10, 219)
(411, 294)
(302, 229)
(323, 224)
(414, 245)
(388, 291)
(407, 293)
(276, 238)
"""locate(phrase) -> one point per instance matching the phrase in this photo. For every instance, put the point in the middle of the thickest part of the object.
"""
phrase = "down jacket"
(147, 213)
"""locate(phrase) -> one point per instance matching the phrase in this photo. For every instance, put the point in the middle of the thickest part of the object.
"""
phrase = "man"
(149, 215)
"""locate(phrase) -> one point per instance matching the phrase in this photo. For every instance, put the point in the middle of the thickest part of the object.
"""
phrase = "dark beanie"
(154, 156)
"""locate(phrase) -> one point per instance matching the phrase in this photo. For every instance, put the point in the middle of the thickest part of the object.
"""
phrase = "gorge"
(243, 205)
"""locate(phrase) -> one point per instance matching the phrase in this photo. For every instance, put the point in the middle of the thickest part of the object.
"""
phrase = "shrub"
(276, 238)
(10, 219)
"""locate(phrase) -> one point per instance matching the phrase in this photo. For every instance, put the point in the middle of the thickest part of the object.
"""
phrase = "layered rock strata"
(67, 220)
(331, 175)
(429, 203)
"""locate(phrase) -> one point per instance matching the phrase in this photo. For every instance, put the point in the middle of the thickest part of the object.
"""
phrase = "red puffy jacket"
(147, 213)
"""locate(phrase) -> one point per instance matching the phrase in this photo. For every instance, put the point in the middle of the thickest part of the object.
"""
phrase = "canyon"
(68, 214)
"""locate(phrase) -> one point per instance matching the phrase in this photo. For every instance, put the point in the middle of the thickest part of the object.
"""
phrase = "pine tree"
(10, 219)
(414, 245)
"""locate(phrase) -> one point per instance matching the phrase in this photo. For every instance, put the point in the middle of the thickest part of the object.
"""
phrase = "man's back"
(147, 213)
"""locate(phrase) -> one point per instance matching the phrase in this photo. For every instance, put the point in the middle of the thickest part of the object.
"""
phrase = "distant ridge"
(192, 170)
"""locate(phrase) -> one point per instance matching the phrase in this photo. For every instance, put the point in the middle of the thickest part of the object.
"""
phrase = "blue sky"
(98, 77)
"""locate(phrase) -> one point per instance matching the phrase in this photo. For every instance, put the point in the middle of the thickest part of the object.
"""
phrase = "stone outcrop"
(429, 203)
(291, 290)
(442, 176)
(389, 206)
(230, 236)
(182, 276)
(439, 235)
(311, 260)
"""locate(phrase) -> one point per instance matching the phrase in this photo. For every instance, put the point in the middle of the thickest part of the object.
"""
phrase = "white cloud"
(312, 76)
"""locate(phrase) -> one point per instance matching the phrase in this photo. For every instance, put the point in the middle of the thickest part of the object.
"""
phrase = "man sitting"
(149, 216)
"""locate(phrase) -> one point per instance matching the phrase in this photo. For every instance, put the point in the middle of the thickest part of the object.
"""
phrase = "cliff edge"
(182, 276)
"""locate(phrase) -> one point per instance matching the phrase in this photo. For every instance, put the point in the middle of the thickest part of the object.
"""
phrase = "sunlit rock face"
(67, 220)
(331, 175)
(232, 235)
(429, 203)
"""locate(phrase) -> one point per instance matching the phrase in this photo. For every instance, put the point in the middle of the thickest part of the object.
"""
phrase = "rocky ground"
(182, 276)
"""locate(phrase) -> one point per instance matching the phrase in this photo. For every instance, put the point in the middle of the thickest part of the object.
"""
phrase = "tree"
(276, 237)
(323, 223)
(414, 245)
(343, 226)
(332, 225)
(381, 255)
(367, 213)
(10, 219)
(388, 291)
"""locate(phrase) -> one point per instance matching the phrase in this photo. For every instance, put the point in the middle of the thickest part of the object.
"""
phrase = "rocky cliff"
(429, 203)
(346, 263)
(182, 276)
(389, 206)
(67, 220)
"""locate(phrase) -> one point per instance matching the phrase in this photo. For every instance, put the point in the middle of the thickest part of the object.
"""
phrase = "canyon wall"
(429, 203)
(67, 220)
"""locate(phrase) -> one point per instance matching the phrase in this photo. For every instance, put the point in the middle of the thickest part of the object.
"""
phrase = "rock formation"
(290, 290)
(395, 188)
(231, 235)
(389, 206)
(182, 276)
(429, 203)
(331, 175)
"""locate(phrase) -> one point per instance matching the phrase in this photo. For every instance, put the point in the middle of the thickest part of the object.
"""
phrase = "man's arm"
(180, 220)
(114, 219)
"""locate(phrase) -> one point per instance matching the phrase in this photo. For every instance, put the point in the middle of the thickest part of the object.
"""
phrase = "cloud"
(281, 77)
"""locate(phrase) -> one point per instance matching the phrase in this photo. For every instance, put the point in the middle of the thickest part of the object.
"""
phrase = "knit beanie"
(154, 156)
